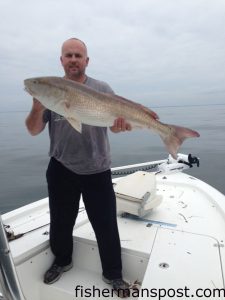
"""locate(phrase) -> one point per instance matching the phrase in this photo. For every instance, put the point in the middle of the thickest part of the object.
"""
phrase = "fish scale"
(80, 104)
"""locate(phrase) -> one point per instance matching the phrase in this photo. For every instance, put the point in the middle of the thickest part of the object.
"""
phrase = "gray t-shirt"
(83, 153)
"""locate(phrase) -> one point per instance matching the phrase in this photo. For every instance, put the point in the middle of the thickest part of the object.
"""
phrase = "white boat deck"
(179, 244)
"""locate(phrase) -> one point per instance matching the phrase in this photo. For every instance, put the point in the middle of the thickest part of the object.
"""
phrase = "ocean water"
(23, 158)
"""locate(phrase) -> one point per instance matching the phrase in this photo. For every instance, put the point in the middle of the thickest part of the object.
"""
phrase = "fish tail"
(175, 138)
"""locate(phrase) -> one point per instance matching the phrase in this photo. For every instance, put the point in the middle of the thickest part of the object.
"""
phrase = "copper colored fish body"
(79, 104)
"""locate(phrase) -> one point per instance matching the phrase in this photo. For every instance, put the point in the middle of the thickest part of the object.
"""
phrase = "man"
(80, 164)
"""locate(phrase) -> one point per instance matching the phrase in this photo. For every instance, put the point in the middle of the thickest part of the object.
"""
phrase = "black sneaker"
(120, 287)
(55, 272)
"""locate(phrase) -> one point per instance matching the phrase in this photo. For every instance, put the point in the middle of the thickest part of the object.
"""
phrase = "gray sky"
(156, 52)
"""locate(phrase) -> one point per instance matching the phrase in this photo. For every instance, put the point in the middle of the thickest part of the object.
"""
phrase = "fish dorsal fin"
(138, 105)
(76, 124)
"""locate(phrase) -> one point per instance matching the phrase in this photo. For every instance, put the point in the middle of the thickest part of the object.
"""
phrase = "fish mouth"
(28, 90)
(28, 84)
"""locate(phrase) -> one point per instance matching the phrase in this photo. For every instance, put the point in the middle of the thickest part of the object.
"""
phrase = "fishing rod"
(11, 236)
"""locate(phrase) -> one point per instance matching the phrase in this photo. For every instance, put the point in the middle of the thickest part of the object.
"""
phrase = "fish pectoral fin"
(76, 124)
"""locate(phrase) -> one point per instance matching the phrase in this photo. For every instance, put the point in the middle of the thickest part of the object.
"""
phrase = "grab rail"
(136, 167)
(9, 282)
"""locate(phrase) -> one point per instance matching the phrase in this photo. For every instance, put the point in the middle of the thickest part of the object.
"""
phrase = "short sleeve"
(46, 116)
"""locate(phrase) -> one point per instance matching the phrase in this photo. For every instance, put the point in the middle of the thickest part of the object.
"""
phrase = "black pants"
(65, 188)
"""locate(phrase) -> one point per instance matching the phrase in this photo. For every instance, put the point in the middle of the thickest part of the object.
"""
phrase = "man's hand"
(34, 120)
(119, 125)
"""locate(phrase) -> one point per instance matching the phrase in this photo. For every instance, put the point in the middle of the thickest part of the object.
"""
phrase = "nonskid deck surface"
(182, 237)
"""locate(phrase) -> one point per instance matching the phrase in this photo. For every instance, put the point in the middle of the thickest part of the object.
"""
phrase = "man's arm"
(34, 121)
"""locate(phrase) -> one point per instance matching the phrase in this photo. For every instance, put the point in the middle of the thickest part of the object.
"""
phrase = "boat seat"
(136, 193)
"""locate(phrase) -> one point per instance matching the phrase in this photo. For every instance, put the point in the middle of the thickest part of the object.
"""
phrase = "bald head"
(74, 59)
(73, 41)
